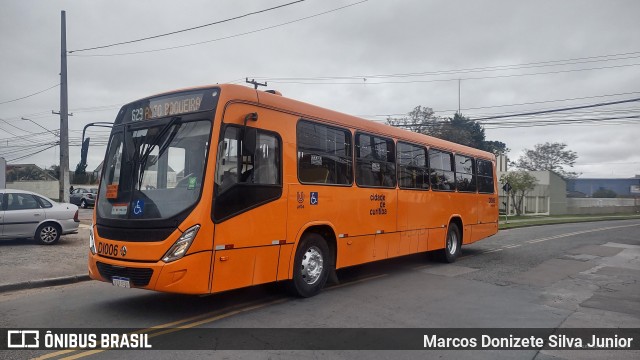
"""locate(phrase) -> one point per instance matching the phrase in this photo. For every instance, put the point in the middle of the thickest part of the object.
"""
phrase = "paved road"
(560, 276)
(85, 215)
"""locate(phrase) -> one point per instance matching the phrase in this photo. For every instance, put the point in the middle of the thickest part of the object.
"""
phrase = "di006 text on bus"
(216, 188)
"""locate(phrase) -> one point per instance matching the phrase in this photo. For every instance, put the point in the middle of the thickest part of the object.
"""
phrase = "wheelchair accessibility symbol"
(138, 208)
(313, 198)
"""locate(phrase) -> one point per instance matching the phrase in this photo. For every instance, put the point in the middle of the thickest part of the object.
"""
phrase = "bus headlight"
(92, 241)
(181, 245)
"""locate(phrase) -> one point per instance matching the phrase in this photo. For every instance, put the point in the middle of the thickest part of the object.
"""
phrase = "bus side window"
(465, 173)
(442, 171)
(413, 172)
(375, 161)
(324, 154)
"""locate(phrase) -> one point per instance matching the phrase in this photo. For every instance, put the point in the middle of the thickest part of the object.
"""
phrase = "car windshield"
(153, 172)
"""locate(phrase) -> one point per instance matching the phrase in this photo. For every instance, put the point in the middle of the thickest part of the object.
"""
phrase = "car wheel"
(83, 204)
(311, 266)
(48, 234)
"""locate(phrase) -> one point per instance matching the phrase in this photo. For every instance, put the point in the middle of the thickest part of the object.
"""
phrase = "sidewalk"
(25, 264)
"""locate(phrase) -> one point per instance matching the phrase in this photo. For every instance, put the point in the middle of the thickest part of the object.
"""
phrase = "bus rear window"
(485, 177)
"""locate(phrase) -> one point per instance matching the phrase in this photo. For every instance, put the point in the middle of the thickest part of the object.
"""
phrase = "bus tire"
(453, 244)
(311, 266)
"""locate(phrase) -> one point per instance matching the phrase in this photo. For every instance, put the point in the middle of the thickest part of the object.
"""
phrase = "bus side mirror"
(249, 135)
(249, 141)
(82, 166)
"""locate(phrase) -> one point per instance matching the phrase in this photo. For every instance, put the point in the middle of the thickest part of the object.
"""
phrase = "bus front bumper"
(188, 275)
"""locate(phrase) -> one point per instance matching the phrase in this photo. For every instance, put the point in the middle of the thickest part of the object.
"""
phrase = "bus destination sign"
(167, 106)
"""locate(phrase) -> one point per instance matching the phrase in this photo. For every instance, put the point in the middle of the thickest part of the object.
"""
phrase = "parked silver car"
(83, 197)
(24, 214)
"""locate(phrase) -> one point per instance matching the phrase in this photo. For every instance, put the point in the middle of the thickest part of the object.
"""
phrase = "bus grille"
(138, 276)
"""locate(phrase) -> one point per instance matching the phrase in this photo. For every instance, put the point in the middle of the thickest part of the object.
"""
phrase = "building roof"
(25, 172)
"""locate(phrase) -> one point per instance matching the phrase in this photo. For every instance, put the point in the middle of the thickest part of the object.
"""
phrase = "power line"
(518, 125)
(365, 82)
(28, 96)
(188, 29)
(26, 148)
(560, 109)
(54, 134)
(565, 115)
(561, 121)
(226, 37)
(21, 137)
(508, 105)
(33, 153)
(15, 135)
(547, 63)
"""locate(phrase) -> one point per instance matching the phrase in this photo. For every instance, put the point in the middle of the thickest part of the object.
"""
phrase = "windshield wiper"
(147, 152)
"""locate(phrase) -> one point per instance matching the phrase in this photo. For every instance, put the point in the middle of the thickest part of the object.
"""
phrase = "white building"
(549, 197)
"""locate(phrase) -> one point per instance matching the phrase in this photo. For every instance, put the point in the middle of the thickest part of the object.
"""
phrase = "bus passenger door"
(250, 202)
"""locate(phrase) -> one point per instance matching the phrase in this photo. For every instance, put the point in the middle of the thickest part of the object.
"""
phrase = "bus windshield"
(153, 172)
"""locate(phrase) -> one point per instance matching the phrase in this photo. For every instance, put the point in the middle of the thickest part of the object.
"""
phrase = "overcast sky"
(526, 56)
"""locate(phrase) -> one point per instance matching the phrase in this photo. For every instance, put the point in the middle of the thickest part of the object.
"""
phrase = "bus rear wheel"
(453, 244)
(311, 266)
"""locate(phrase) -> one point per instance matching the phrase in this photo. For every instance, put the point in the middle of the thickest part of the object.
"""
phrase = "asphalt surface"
(583, 275)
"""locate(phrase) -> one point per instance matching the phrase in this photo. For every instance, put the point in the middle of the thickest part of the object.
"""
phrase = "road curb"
(33, 284)
(561, 221)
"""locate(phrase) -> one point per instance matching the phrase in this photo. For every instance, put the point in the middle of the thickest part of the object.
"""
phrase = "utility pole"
(459, 81)
(64, 115)
(255, 83)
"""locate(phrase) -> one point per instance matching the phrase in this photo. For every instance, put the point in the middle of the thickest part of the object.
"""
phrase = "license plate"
(120, 282)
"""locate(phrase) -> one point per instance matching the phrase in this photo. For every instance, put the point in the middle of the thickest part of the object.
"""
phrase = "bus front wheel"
(453, 244)
(311, 266)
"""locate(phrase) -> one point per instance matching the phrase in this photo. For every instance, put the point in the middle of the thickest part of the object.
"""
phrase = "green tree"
(462, 130)
(521, 183)
(604, 193)
(458, 129)
(548, 157)
(496, 147)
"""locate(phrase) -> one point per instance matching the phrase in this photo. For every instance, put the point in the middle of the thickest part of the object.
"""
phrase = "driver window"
(267, 165)
(232, 167)
(227, 162)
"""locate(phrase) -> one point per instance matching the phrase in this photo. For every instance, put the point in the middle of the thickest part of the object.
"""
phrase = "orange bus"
(216, 188)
